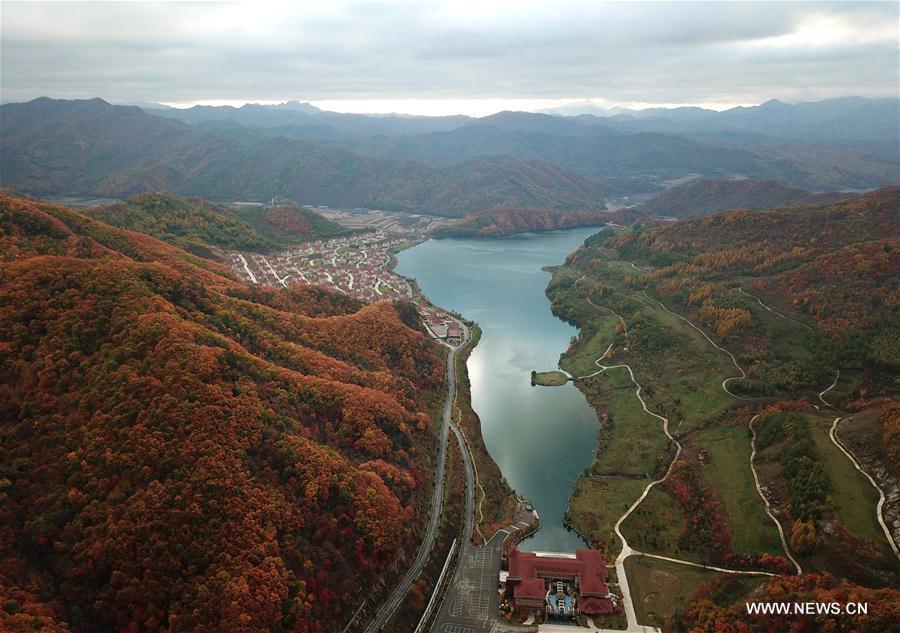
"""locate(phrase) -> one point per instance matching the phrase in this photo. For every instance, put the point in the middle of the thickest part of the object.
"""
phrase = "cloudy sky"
(435, 58)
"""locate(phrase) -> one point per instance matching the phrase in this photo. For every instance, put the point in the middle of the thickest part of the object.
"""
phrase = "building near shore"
(560, 585)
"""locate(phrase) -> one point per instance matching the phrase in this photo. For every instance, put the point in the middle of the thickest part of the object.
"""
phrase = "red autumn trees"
(179, 452)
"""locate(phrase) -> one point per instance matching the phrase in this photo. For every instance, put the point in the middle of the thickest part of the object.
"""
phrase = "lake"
(542, 438)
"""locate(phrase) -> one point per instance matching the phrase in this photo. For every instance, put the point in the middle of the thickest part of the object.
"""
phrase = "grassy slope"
(853, 496)
(683, 381)
(665, 588)
(852, 502)
(729, 449)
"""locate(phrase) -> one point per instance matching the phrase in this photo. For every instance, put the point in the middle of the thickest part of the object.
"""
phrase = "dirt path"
(832, 433)
(829, 388)
(725, 382)
(759, 491)
(627, 550)
(783, 316)
(724, 570)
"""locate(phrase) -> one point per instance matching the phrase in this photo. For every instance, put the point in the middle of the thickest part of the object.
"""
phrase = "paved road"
(470, 483)
(437, 499)
(471, 604)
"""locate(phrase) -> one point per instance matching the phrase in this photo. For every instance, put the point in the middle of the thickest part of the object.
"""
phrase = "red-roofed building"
(527, 585)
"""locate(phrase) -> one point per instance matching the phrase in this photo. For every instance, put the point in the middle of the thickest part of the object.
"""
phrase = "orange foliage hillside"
(181, 452)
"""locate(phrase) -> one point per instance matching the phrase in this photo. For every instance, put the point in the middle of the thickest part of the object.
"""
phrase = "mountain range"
(200, 227)
(91, 147)
(450, 166)
(704, 197)
(854, 118)
(832, 144)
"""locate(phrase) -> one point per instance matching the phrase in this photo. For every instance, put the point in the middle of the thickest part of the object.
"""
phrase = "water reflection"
(542, 438)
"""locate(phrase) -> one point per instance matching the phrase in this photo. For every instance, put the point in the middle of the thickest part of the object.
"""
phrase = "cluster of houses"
(356, 265)
(439, 322)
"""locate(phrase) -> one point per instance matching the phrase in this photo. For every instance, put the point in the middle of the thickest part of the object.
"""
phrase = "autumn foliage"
(705, 615)
(723, 321)
(705, 529)
(890, 425)
(180, 452)
(509, 220)
(828, 272)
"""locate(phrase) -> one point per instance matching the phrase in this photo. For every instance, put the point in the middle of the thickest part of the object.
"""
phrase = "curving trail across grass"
(777, 523)
(832, 433)
(829, 388)
(725, 382)
(773, 311)
(627, 550)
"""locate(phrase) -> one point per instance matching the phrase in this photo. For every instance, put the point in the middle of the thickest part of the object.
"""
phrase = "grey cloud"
(650, 52)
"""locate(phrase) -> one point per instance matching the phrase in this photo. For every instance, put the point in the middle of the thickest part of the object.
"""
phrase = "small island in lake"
(548, 378)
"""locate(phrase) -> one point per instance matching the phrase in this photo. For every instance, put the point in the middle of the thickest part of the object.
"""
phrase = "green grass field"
(853, 496)
(728, 471)
(662, 589)
(687, 381)
(655, 525)
(682, 380)
(598, 502)
(634, 440)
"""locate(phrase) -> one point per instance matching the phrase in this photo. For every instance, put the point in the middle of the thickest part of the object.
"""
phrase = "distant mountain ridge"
(443, 165)
(704, 197)
(841, 118)
(845, 118)
(507, 221)
(52, 146)
(833, 144)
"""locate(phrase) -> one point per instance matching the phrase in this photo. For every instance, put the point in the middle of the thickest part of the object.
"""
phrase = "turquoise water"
(541, 437)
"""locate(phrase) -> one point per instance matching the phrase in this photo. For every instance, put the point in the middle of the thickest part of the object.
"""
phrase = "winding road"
(437, 497)
(829, 388)
(627, 550)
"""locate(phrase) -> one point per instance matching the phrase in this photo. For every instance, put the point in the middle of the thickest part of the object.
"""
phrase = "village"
(358, 265)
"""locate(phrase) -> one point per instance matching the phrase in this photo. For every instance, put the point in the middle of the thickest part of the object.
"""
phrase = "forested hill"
(710, 196)
(506, 221)
(181, 452)
(833, 266)
(92, 147)
(197, 225)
